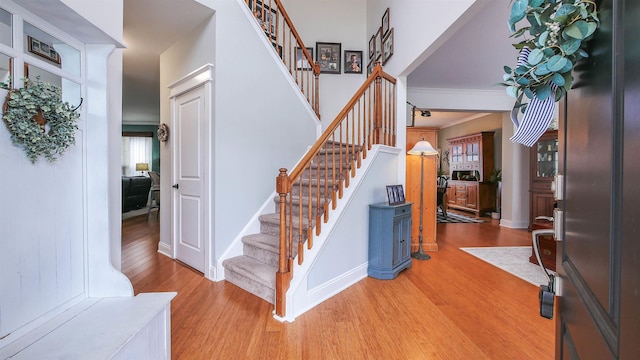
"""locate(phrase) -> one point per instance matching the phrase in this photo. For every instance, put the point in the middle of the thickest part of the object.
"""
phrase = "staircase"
(255, 270)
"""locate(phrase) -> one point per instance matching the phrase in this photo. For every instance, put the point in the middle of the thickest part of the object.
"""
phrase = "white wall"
(56, 231)
(348, 247)
(333, 21)
(418, 28)
(256, 112)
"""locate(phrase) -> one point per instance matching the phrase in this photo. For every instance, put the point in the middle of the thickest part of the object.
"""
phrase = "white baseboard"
(332, 287)
(514, 224)
(165, 250)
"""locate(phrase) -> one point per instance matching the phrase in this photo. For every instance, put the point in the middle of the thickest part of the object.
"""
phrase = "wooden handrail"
(286, 41)
(319, 179)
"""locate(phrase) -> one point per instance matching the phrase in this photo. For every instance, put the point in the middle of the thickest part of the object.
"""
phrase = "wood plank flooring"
(453, 306)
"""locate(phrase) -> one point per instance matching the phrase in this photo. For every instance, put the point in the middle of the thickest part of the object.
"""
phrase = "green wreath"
(39, 120)
(559, 30)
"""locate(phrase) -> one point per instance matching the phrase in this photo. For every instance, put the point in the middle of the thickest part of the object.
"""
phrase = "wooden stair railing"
(319, 179)
(278, 27)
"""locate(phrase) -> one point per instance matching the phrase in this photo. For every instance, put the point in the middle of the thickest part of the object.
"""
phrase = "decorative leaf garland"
(39, 120)
(559, 30)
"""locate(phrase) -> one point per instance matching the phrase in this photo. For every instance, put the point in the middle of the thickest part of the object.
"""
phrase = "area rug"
(456, 218)
(512, 259)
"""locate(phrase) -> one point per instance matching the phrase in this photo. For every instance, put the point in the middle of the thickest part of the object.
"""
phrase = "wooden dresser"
(471, 163)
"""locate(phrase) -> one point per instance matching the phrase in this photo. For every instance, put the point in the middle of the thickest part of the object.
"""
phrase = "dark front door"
(600, 287)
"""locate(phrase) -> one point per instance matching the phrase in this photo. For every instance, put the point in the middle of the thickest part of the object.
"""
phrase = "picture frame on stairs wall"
(329, 56)
(378, 44)
(266, 16)
(385, 22)
(352, 62)
(372, 46)
(387, 47)
(301, 62)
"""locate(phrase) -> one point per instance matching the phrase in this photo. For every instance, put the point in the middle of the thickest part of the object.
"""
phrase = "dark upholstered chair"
(154, 193)
(442, 191)
(135, 192)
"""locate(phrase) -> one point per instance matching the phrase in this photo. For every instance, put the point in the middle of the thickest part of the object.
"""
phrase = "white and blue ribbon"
(537, 115)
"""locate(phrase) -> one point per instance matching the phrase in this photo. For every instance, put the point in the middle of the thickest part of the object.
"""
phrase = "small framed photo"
(378, 44)
(387, 47)
(266, 17)
(395, 194)
(43, 49)
(372, 46)
(385, 22)
(328, 56)
(352, 62)
(301, 61)
(370, 67)
(278, 48)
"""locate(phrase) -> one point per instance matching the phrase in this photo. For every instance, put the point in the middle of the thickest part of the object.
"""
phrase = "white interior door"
(190, 124)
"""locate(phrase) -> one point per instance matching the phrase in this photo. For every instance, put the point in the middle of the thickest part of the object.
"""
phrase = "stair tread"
(295, 199)
(274, 218)
(260, 272)
(263, 241)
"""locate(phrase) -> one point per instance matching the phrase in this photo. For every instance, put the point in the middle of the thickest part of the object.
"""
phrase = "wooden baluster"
(359, 150)
(377, 94)
(394, 123)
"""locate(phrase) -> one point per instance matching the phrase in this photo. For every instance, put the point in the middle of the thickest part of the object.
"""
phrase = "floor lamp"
(422, 148)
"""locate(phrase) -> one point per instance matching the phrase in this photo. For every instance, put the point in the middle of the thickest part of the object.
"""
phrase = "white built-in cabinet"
(56, 277)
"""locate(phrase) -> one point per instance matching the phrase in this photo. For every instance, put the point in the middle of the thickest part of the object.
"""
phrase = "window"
(136, 148)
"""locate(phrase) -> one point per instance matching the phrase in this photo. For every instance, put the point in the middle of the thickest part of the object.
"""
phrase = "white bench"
(102, 328)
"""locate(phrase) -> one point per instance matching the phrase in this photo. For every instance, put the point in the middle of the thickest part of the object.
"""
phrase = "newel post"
(283, 276)
(377, 100)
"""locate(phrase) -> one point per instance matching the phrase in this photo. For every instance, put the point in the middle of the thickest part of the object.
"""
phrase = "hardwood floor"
(453, 306)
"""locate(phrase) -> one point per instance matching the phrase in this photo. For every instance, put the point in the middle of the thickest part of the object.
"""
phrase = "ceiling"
(473, 57)
(147, 34)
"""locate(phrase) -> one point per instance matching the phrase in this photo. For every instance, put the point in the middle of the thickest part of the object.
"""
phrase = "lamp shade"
(142, 167)
(422, 147)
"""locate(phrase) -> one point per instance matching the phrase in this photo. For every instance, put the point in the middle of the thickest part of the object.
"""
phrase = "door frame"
(201, 77)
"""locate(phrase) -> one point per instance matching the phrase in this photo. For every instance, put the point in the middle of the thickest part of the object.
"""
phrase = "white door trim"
(202, 76)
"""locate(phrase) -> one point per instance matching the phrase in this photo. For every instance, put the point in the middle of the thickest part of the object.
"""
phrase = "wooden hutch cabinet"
(471, 164)
(544, 165)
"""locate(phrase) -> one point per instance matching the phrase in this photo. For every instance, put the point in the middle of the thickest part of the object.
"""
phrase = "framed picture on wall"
(378, 46)
(385, 22)
(43, 49)
(387, 47)
(352, 62)
(328, 56)
(372, 46)
(266, 17)
(301, 61)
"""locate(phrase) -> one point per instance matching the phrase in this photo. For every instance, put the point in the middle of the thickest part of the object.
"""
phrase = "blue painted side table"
(389, 239)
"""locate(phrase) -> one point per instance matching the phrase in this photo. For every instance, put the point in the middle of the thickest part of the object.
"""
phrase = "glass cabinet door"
(456, 153)
(473, 151)
(547, 158)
